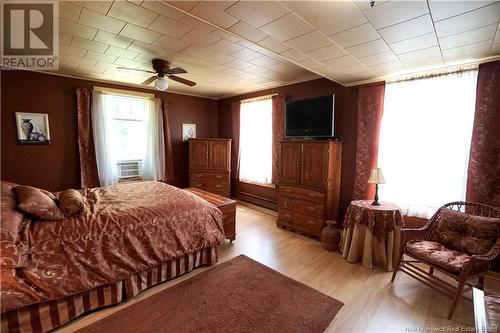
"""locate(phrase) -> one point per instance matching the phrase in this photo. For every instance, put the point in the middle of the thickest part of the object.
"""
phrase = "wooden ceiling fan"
(162, 69)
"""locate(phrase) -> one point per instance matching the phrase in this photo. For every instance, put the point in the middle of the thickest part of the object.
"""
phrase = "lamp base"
(375, 202)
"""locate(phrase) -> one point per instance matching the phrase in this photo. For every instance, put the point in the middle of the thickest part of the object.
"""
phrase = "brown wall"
(345, 130)
(56, 166)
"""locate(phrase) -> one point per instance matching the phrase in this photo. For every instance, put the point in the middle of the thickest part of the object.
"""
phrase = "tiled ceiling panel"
(251, 12)
(409, 29)
(394, 12)
(229, 47)
(338, 16)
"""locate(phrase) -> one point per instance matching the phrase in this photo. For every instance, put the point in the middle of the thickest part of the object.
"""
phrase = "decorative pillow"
(70, 202)
(470, 234)
(13, 230)
(37, 203)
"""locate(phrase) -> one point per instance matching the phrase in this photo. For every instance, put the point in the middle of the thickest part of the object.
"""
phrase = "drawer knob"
(310, 221)
(218, 176)
(312, 195)
(218, 185)
(199, 175)
(311, 208)
(288, 215)
(199, 185)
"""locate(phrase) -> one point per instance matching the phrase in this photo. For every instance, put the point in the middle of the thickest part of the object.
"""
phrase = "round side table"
(372, 234)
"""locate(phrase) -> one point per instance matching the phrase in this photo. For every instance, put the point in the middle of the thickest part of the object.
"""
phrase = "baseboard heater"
(257, 200)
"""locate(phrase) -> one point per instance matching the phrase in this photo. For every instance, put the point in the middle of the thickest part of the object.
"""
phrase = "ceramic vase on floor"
(330, 236)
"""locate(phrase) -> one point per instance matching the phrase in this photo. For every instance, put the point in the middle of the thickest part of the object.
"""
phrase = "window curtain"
(235, 144)
(278, 133)
(370, 109)
(88, 166)
(169, 157)
(425, 141)
(483, 181)
(153, 167)
(101, 123)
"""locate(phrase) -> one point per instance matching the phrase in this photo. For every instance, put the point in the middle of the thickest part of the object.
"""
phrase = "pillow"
(13, 230)
(37, 203)
(70, 202)
(470, 234)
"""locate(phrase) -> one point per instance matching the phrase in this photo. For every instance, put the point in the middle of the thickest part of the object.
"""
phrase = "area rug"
(239, 295)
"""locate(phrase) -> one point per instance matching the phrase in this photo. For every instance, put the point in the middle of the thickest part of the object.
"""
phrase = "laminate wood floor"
(372, 303)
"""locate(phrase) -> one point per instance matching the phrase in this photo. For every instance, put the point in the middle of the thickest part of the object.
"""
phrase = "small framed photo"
(33, 128)
(188, 131)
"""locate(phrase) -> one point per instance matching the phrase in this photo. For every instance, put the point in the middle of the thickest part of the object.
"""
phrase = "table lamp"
(376, 177)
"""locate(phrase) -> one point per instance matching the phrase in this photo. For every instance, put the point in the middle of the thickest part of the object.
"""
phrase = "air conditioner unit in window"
(129, 170)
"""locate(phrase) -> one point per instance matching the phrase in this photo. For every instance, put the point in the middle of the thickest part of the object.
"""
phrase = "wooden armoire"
(309, 184)
(210, 165)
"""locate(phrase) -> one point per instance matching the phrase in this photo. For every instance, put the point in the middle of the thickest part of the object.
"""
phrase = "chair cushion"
(466, 233)
(438, 255)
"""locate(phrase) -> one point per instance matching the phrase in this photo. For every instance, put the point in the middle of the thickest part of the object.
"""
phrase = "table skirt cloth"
(360, 244)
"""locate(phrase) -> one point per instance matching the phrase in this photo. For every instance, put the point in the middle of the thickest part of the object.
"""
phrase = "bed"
(127, 238)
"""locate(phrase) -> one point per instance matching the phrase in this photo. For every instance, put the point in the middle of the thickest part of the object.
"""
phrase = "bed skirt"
(46, 316)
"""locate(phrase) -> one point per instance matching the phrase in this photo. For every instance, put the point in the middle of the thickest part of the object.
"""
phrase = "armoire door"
(219, 155)
(314, 164)
(290, 163)
(198, 154)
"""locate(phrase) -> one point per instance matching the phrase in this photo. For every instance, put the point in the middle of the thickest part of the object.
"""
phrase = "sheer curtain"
(425, 141)
(153, 166)
(102, 117)
(256, 141)
(141, 139)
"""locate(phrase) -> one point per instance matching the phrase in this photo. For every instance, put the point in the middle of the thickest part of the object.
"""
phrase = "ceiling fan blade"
(135, 69)
(175, 70)
(150, 80)
(181, 80)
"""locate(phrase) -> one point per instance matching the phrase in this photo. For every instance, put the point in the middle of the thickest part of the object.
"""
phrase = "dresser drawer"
(200, 185)
(208, 176)
(301, 193)
(312, 224)
(306, 207)
(217, 187)
(285, 215)
(210, 186)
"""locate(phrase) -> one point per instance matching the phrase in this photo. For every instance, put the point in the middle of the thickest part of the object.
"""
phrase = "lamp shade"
(376, 177)
(161, 84)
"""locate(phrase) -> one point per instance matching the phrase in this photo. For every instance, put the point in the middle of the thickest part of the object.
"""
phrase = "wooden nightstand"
(227, 207)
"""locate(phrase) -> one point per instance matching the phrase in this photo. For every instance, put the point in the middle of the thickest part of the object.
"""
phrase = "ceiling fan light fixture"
(161, 84)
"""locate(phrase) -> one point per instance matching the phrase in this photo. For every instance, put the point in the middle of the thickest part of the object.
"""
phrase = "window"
(256, 141)
(128, 136)
(425, 141)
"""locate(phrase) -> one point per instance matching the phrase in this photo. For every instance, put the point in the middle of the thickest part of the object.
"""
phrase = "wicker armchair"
(463, 267)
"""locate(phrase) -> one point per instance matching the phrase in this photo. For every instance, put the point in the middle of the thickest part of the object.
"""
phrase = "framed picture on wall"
(188, 131)
(33, 128)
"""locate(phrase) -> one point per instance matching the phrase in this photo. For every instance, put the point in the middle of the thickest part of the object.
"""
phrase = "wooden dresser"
(210, 165)
(309, 185)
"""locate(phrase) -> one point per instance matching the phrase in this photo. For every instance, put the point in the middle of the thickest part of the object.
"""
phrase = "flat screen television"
(313, 117)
